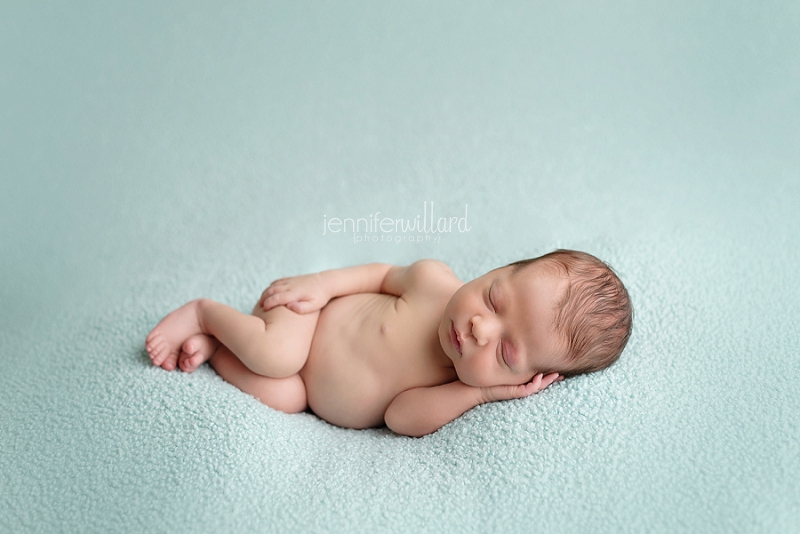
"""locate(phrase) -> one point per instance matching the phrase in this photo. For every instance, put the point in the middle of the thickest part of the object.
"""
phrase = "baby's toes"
(152, 337)
(154, 342)
(193, 344)
(200, 343)
(170, 361)
(159, 352)
(183, 361)
(190, 362)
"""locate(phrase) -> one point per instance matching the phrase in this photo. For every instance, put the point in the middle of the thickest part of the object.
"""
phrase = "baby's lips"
(456, 339)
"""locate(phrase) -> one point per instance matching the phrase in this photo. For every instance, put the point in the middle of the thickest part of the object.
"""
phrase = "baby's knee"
(274, 357)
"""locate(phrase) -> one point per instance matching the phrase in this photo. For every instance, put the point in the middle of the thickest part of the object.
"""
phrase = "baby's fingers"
(549, 379)
(277, 299)
(276, 287)
(534, 385)
(302, 306)
(541, 381)
(267, 292)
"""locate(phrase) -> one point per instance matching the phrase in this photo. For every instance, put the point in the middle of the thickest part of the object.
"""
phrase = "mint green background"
(153, 152)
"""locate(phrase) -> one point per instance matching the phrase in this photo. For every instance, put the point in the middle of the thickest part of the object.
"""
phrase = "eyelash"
(494, 309)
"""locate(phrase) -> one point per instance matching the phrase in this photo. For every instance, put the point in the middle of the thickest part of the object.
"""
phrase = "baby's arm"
(420, 411)
(311, 292)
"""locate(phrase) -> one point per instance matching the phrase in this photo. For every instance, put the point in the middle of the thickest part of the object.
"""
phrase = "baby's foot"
(164, 342)
(196, 351)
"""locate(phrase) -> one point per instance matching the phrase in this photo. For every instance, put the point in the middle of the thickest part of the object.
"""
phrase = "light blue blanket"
(155, 153)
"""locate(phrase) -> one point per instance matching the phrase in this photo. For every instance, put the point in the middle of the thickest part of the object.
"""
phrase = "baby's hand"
(301, 294)
(539, 382)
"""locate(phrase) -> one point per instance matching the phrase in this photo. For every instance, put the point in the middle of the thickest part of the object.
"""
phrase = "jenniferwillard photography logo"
(375, 228)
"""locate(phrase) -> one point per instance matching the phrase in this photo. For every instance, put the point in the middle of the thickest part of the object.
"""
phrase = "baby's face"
(497, 329)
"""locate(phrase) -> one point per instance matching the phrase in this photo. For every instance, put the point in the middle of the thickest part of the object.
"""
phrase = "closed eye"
(506, 355)
(492, 306)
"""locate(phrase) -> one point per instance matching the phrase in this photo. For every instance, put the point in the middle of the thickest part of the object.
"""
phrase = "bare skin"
(410, 347)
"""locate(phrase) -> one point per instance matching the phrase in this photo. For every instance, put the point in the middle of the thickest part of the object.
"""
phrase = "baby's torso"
(367, 349)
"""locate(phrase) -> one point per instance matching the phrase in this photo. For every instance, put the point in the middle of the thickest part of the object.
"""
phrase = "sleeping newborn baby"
(410, 347)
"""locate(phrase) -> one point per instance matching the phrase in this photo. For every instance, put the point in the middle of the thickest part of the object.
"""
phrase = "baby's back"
(367, 349)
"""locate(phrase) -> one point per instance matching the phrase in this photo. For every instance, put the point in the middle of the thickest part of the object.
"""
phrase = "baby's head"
(564, 312)
(593, 316)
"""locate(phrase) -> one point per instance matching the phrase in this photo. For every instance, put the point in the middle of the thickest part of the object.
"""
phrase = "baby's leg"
(274, 343)
(284, 394)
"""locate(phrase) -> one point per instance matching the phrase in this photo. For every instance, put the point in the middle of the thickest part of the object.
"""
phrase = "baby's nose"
(480, 331)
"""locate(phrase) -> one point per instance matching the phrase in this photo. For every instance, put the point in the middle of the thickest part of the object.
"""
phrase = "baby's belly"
(349, 376)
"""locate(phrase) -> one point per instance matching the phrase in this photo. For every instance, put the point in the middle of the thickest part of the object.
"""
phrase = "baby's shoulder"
(426, 276)
(432, 267)
(432, 270)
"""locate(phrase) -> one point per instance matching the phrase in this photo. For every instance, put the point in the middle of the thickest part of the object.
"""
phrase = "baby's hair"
(595, 316)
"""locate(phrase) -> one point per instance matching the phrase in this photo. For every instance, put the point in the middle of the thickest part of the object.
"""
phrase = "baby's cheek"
(476, 378)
